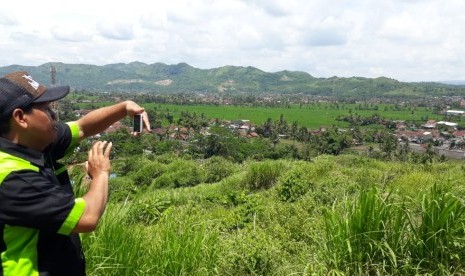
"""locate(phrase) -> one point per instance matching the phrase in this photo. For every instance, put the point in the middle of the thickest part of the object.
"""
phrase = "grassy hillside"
(183, 78)
(344, 215)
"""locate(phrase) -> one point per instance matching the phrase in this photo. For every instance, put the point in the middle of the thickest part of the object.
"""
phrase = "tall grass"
(263, 175)
(178, 244)
(115, 249)
(377, 235)
(186, 247)
(246, 224)
(440, 234)
(366, 237)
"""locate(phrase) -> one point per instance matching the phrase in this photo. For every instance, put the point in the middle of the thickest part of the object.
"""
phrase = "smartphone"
(138, 123)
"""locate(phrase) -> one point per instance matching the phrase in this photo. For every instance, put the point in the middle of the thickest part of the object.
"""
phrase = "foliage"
(184, 245)
(177, 244)
(146, 211)
(180, 173)
(332, 141)
(294, 184)
(167, 146)
(336, 215)
(128, 165)
(122, 188)
(380, 235)
(439, 235)
(366, 237)
(124, 144)
(263, 175)
(79, 180)
(252, 252)
(148, 172)
(217, 168)
(222, 142)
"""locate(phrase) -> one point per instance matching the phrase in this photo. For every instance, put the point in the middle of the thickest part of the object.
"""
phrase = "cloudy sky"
(408, 40)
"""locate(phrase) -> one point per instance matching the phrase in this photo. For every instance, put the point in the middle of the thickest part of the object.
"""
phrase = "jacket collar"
(33, 156)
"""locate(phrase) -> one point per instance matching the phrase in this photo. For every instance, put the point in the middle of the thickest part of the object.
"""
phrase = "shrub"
(218, 168)
(129, 165)
(293, 185)
(149, 171)
(167, 146)
(250, 252)
(180, 173)
(330, 188)
(263, 175)
(166, 158)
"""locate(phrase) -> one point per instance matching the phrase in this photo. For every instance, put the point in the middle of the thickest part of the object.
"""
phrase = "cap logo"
(31, 82)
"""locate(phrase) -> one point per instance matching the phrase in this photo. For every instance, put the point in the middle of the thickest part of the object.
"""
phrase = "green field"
(311, 116)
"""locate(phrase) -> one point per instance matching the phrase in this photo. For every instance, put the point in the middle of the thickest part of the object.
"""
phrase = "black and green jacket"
(38, 209)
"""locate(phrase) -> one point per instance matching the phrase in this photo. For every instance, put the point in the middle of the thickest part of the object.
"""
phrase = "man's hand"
(132, 109)
(99, 159)
(98, 168)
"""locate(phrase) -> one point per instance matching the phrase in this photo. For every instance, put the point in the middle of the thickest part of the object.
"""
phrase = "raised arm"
(98, 168)
(100, 119)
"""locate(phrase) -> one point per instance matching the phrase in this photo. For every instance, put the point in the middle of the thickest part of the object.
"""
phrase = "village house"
(455, 112)
(430, 124)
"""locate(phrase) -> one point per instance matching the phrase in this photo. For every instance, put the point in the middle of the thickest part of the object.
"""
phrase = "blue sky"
(408, 40)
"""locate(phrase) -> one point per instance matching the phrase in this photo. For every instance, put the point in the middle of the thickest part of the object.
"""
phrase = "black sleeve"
(31, 200)
(63, 142)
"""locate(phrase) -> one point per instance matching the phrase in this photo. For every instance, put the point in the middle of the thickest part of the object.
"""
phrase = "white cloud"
(70, 34)
(7, 19)
(330, 31)
(409, 40)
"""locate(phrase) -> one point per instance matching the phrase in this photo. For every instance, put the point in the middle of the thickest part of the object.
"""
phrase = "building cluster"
(444, 135)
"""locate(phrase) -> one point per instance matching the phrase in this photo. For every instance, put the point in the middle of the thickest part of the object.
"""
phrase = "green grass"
(178, 244)
(312, 115)
(348, 215)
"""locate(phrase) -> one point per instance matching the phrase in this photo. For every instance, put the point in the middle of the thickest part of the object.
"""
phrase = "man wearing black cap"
(40, 218)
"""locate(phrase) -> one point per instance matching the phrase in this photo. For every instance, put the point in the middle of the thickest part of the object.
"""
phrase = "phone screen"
(137, 127)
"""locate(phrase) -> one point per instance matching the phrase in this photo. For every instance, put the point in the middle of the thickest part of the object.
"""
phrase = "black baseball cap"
(18, 89)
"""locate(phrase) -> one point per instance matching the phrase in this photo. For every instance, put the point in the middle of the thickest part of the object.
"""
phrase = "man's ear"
(19, 118)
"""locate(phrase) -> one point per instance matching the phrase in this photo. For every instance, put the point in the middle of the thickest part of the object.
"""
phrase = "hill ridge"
(183, 78)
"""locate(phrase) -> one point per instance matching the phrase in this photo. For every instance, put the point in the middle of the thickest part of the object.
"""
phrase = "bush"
(283, 151)
(218, 168)
(250, 252)
(263, 175)
(167, 146)
(293, 185)
(180, 173)
(130, 165)
(148, 172)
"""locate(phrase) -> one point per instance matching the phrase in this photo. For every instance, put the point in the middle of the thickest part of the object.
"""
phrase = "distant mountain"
(183, 78)
(454, 82)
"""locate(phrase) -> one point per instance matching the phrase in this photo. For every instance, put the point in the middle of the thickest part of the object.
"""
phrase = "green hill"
(183, 78)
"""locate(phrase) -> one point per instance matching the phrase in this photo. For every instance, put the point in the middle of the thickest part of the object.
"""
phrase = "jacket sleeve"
(67, 140)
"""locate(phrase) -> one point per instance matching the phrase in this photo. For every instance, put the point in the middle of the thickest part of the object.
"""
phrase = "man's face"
(42, 125)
